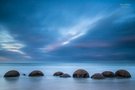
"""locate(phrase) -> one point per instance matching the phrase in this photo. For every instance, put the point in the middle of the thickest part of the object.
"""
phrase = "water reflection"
(36, 79)
(11, 79)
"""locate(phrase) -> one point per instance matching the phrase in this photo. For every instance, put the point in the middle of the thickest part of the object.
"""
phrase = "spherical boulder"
(81, 73)
(58, 73)
(36, 73)
(122, 74)
(65, 75)
(97, 76)
(108, 74)
(12, 73)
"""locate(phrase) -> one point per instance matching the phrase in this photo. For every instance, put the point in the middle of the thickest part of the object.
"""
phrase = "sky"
(67, 30)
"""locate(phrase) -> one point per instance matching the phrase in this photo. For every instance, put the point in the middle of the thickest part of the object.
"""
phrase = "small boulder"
(65, 75)
(24, 74)
(108, 74)
(58, 73)
(122, 74)
(36, 73)
(12, 73)
(81, 73)
(97, 76)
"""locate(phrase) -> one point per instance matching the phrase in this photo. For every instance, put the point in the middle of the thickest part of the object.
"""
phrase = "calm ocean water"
(48, 82)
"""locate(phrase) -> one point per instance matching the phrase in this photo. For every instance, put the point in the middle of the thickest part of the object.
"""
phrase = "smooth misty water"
(48, 82)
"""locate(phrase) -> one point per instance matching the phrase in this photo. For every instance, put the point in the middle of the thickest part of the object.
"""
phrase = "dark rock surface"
(97, 76)
(81, 73)
(36, 73)
(12, 73)
(58, 73)
(65, 75)
(108, 74)
(122, 74)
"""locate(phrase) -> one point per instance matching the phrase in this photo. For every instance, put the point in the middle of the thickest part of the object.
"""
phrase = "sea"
(49, 82)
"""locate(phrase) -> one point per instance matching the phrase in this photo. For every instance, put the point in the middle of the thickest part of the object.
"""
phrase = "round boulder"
(65, 75)
(122, 74)
(58, 73)
(81, 73)
(12, 73)
(108, 74)
(97, 76)
(36, 73)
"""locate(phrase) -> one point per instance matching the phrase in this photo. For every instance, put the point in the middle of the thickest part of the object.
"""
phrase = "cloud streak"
(69, 34)
(9, 43)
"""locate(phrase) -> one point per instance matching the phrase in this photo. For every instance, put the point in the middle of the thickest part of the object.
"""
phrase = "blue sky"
(67, 30)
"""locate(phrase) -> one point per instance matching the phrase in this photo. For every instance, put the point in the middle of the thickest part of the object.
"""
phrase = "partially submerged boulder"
(108, 74)
(24, 74)
(36, 73)
(12, 73)
(59, 73)
(81, 73)
(97, 76)
(122, 74)
(65, 75)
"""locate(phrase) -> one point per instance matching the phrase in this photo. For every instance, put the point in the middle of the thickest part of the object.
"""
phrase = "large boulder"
(122, 74)
(81, 73)
(12, 73)
(36, 73)
(58, 73)
(97, 76)
(108, 74)
(65, 75)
